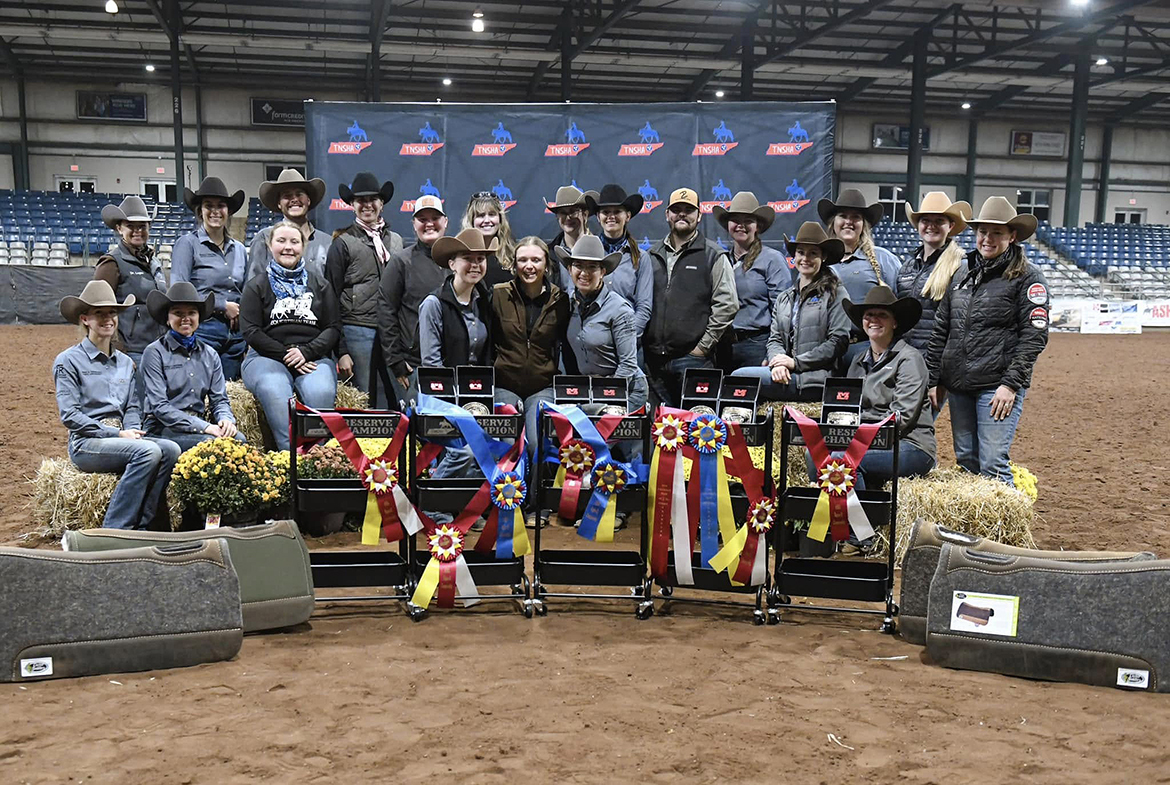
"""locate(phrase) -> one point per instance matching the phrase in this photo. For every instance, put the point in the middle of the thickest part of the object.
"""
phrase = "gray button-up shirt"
(93, 387)
(177, 381)
(430, 331)
(602, 335)
(316, 251)
(200, 262)
(759, 288)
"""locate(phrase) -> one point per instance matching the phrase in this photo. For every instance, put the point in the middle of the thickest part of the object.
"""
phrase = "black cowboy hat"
(613, 195)
(849, 199)
(906, 310)
(366, 184)
(180, 293)
(213, 186)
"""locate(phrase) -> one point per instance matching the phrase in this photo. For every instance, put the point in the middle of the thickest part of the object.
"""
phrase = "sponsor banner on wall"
(1064, 315)
(281, 112)
(1111, 317)
(1156, 313)
(127, 107)
(888, 136)
(1044, 143)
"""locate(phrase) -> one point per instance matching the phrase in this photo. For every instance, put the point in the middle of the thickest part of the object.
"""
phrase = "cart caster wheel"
(889, 626)
(527, 611)
(758, 618)
(644, 611)
(773, 616)
(417, 614)
(666, 591)
(542, 609)
(783, 599)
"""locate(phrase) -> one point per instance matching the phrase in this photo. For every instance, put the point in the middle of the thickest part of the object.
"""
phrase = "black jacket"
(988, 329)
(408, 278)
(354, 271)
(455, 339)
(911, 278)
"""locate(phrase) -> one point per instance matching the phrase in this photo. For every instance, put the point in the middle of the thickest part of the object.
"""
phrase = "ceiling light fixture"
(111, 7)
(1102, 61)
(1080, 3)
(150, 67)
(446, 81)
(477, 21)
(718, 93)
(966, 104)
(477, 14)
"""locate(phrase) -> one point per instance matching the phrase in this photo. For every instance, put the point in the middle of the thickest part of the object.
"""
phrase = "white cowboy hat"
(938, 203)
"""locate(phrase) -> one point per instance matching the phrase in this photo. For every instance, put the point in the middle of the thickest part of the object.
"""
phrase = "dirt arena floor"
(361, 694)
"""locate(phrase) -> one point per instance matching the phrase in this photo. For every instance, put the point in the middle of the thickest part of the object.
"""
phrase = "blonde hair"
(536, 242)
(865, 243)
(944, 270)
(481, 205)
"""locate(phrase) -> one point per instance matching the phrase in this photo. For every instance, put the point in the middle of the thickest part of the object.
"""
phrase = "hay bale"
(250, 415)
(797, 469)
(350, 397)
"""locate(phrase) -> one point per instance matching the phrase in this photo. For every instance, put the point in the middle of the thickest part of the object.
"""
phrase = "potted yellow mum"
(228, 479)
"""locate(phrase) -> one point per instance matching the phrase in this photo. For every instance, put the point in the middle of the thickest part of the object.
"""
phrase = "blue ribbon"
(599, 500)
(708, 506)
(487, 451)
(505, 516)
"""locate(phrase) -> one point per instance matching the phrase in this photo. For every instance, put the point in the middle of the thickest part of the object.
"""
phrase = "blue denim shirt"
(197, 260)
(93, 386)
(177, 381)
(758, 289)
(636, 287)
(602, 337)
(856, 273)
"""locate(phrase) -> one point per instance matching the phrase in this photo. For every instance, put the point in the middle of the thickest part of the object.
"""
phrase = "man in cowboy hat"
(572, 213)
(354, 269)
(927, 274)
(215, 263)
(694, 299)
(408, 278)
(294, 197)
(181, 371)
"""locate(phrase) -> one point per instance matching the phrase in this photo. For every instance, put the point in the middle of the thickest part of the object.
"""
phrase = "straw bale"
(250, 415)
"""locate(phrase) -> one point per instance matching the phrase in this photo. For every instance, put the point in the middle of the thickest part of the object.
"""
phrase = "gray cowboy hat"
(366, 184)
(589, 249)
(849, 199)
(999, 211)
(132, 208)
(938, 203)
(468, 241)
(569, 196)
(270, 190)
(613, 195)
(180, 293)
(213, 186)
(906, 310)
(812, 233)
(96, 294)
(745, 203)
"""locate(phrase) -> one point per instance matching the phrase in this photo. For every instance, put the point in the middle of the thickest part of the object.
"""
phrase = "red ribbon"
(446, 590)
(571, 490)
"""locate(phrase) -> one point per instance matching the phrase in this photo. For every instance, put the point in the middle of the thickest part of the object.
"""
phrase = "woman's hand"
(937, 396)
(782, 361)
(781, 375)
(294, 359)
(307, 368)
(345, 368)
(132, 433)
(227, 428)
(1002, 402)
(213, 430)
(231, 311)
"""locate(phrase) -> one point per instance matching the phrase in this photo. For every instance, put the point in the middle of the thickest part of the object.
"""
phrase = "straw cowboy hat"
(745, 203)
(613, 195)
(366, 184)
(96, 294)
(938, 203)
(270, 190)
(569, 196)
(589, 249)
(468, 241)
(180, 293)
(132, 208)
(906, 310)
(812, 233)
(849, 199)
(999, 211)
(213, 186)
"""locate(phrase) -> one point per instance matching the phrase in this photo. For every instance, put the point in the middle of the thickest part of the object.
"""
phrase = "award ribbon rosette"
(388, 511)
(668, 514)
(708, 435)
(577, 459)
(745, 554)
(446, 574)
(838, 507)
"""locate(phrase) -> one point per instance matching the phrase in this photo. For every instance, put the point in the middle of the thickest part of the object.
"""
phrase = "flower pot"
(319, 524)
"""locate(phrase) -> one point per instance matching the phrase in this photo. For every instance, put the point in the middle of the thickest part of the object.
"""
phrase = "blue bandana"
(612, 246)
(285, 282)
(187, 342)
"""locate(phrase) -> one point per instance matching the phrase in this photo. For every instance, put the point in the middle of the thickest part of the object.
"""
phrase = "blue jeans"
(186, 440)
(273, 384)
(228, 344)
(751, 351)
(145, 465)
(770, 391)
(877, 466)
(359, 343)
(455, 462)
(983, 445)
(665, 379)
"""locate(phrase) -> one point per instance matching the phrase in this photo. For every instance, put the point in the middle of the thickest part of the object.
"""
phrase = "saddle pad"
(276, 582)
(927, 539)
(79, 614)
(1097, 623)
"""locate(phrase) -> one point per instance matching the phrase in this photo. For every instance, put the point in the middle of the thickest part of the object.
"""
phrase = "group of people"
(298, 310)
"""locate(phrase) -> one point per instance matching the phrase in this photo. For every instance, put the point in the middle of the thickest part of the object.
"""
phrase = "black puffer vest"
(136, 329)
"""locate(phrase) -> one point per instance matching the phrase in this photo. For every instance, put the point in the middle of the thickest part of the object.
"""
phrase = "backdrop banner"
(31, 294)
(782, 152)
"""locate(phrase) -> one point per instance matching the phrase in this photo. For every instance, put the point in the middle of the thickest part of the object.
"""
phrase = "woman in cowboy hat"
(486, 213)
(761, 274)
(96, 400)
(632, 279)
(354, 268)
(572, 216)
(129, 267)
(864, 264)
(928, 272)
(181, 371)
(289, 319)
(990, 328)
(294, 197)
(215, 263)
(809, 330)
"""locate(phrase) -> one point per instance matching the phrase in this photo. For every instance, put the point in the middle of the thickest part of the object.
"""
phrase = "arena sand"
(361, 694)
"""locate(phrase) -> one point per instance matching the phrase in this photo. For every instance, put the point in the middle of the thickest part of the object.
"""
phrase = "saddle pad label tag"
(989, 614)
(1133, 678)
(43, 666)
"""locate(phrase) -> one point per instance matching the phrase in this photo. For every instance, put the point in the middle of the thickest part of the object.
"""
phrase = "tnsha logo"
(501, 142)
(720, 196)
(576, 143)
(358, 141)
(648, 144)
(797, 142)
(426, 189)
(650, 198)
(428, 143)
(724, 141)
(340, 204)
(504, 194)
(797, 198)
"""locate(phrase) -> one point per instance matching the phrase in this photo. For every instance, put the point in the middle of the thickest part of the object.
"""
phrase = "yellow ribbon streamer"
(726, 514)
(818, 527)
(372, 522)
(608, 520)
(652, 505)
(728, 556)
(520, 544)
(559, 482)
(428, 584)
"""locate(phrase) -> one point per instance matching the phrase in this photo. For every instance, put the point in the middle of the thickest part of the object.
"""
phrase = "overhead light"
(718, 93)
(477, 25)
(477, 14)
(111, 7)
(1080, 2)
(446, 81)
(1102, 61)
(149, 66)
(966, 104)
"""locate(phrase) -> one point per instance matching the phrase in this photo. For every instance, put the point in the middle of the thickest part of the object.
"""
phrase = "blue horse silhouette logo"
(427, 134)
(502, 192)
(720, 192)
(501, 135)
(648, 192)
(356, 134)
(428, 189)
(574, 184)
(647, 134)
(645, 244)
(723, 133)
(794, 190)
(575, 135)
(797, 134)
(722, 243)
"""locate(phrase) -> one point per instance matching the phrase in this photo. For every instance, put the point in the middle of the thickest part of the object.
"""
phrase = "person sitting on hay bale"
(181, 371)
(97, 403)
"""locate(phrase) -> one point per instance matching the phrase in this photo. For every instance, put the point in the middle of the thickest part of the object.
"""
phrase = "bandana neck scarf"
(612, 246)
(374, 230)
(285, 282)
(187, 342)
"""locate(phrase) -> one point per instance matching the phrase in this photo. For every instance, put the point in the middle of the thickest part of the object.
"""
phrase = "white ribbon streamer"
(464, 584)
(680, 527)
(857, 517)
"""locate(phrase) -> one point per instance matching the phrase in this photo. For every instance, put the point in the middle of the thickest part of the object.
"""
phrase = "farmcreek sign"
(282, 112)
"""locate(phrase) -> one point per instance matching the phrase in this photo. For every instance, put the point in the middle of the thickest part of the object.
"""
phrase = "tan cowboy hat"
(812, 233)
(468, 241)
(849, 199)
(270, 190)
(745, 203)
(938, 203)
(589, 249)
(96, 294)
(132, 208)
(999, 211)
(180, 293)
(906, 310)
(569, 196)
(214, 187)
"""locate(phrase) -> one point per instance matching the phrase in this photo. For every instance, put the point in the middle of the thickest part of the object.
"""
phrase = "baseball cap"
(685, 196)
(428, 202)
